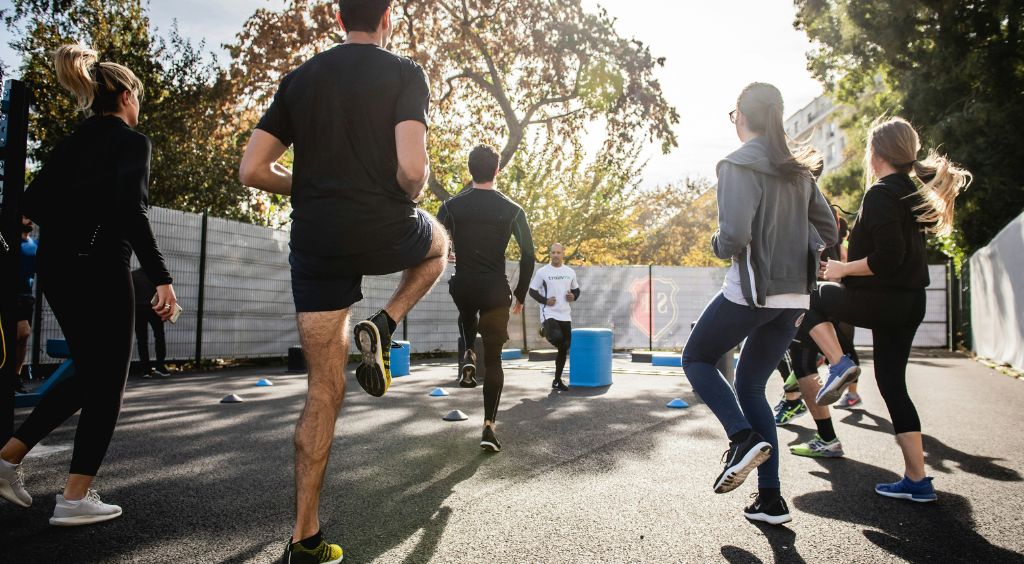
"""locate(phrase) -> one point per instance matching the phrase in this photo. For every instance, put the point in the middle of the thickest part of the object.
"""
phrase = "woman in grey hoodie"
(772, 221)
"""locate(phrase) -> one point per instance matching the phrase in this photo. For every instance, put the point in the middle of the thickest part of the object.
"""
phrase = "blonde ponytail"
(94, 85)
(942, 183)
(896, 142)
(74, 65)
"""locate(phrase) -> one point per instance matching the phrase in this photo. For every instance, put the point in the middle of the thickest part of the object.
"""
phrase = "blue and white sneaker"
(906, 488)
(840, 375)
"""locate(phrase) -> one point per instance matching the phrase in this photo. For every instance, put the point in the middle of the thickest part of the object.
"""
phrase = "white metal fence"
(997, 297)
(247, 309)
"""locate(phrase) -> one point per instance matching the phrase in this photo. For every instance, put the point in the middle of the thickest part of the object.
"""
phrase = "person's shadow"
(941, 531)
(939, 455)
(782, 540)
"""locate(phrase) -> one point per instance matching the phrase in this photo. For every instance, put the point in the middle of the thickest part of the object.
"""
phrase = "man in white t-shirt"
(554, 286)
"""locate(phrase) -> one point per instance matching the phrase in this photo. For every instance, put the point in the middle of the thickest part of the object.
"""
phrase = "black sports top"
(481, 223)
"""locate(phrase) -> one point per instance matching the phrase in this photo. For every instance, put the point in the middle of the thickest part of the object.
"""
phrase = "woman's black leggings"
(893, 317)
(804, 351)
(483, 303)
(93, 302)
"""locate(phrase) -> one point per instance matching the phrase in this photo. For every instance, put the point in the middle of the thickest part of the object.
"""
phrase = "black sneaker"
(149, 374)
(488, 441)
(373, 338)
(161, 372)
(775, 512)
(467, 375)
(558, 384)
(740, 460)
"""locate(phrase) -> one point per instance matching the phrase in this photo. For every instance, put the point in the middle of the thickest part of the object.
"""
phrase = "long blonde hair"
(761, 104)
(895, 141)
(95, 85)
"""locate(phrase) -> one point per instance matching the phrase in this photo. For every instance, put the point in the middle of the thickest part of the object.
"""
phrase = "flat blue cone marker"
(264, 383)
(233, 398)
(438, 392)
(677, 403)
(455, 415)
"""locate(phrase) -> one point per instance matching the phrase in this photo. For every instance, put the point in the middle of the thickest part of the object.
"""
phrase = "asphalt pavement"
(589, 475)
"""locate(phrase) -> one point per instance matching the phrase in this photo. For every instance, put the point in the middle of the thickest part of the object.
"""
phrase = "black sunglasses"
(732, 116)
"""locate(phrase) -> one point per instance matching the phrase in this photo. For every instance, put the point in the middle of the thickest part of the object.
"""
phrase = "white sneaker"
(85, 511)
(12, 484)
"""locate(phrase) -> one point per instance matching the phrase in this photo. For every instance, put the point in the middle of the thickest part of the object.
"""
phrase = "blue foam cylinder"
(590, 358)
(667, 359)
(400, 359)
(511, 354)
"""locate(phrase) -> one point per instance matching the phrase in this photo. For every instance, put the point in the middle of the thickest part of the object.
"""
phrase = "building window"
(831, 152)
(831, 130)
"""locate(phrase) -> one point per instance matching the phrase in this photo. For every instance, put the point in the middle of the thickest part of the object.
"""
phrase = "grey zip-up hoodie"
(766, 224)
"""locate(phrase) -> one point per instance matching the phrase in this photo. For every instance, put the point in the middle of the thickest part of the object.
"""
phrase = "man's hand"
(551, 301)
(570, 297)
(517, 306)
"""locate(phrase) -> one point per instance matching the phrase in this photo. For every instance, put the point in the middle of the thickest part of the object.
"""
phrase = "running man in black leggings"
(481, 220)
(554, 287)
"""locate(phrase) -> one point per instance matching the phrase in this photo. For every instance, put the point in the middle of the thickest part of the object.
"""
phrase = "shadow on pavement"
(939, 455)
(915, 532)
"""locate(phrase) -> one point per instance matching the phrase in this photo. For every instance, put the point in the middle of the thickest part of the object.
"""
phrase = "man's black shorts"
(322, 283)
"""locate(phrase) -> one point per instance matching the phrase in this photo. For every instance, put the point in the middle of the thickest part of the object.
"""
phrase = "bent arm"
(536, 296)
(259, 167)
(738, 196)
(132, 188)
(524, 236)
(413, 162)
(820, 215)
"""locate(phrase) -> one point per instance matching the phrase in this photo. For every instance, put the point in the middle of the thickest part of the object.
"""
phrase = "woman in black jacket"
(884, 281)
(90, 199)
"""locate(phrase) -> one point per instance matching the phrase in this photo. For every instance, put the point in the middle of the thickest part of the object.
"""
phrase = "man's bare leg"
(324, 337)
(418, 280)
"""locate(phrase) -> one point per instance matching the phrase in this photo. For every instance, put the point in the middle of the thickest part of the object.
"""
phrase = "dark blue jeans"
(768, 332)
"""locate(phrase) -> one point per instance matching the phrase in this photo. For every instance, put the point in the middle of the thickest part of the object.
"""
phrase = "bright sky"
(712, 49)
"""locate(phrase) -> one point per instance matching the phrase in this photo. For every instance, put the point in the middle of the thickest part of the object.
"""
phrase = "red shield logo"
(663, 301)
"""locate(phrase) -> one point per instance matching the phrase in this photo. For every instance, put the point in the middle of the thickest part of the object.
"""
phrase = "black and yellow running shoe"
(373, 338)
(324, 553)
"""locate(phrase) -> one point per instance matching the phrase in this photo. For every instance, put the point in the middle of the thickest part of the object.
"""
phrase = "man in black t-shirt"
(356, 117)
(481, 221)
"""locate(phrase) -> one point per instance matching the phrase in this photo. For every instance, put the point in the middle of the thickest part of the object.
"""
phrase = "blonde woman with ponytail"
(769, 209)
(884, 280)
(90, 200)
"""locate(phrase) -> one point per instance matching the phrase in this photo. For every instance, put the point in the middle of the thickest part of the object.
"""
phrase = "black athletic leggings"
(94, 303)
(559, 334)
(893, 317)
(145, 318)
(483, 303)
(804, 351)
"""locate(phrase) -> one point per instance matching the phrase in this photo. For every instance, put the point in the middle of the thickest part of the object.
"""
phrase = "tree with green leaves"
(184, 110)
(498, 69)
(955, 69)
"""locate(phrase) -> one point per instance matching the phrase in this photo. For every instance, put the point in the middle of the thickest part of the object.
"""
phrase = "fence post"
(650, 307)
(952, 305)
(37, 316)
(202, 291)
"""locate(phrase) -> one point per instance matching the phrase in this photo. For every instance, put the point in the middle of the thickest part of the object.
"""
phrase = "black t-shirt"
(481, 223)
(339, 110)
(888, 234)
